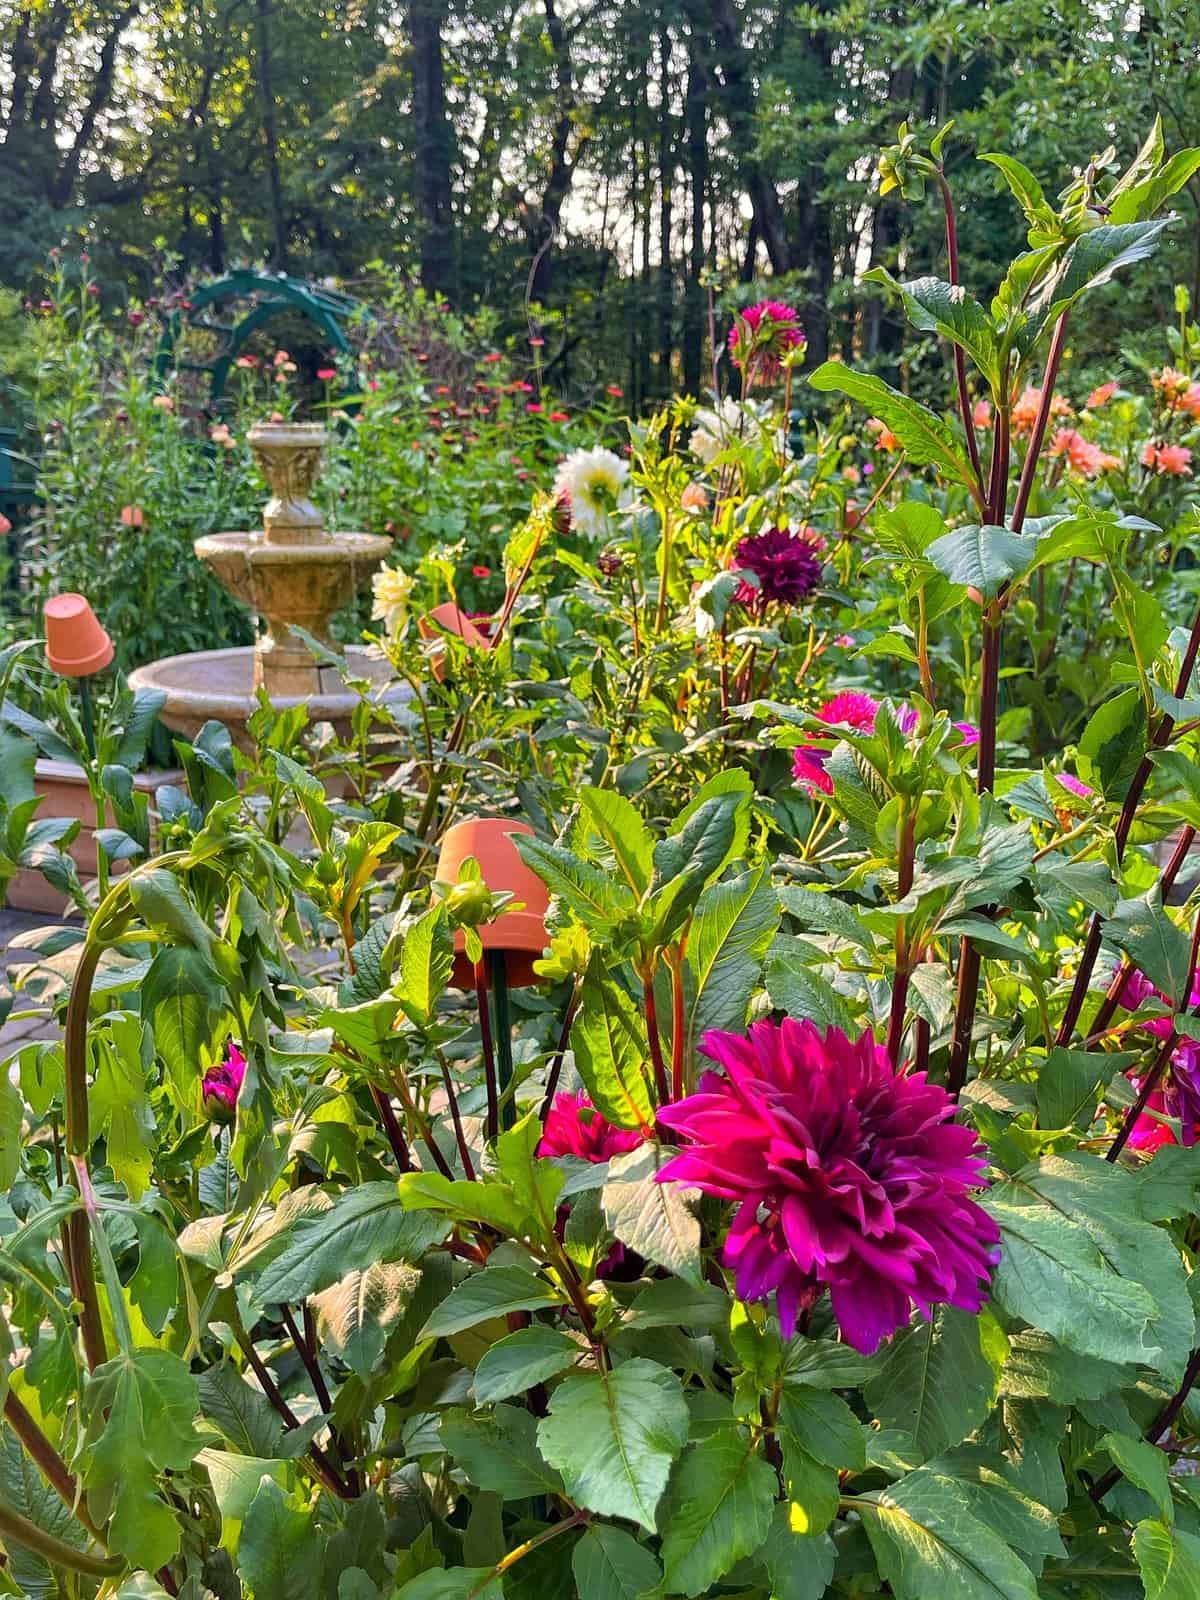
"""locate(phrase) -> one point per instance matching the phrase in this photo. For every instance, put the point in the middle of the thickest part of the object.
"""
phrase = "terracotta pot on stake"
(77, 647)
(511, 943)
(449, 619)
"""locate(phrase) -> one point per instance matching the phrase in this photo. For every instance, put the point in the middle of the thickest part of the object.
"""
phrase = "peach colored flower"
(852, 474)
(132, 516)
(1101, 396)
(981, 414)
(1172, 384)
(694, 497)
(5, 525)
(246, 361)
(1083, 455)
(1189, 401)
(163, 402)
(281, 356)
(884, 437)
(1025, 411)
(1170, 460)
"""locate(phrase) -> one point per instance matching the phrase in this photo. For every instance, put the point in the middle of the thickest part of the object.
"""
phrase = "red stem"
(661, 1084)
(678, 1025)
(960, 365)
(557, 1064)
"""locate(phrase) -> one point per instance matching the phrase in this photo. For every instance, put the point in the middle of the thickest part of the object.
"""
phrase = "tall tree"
(433, 143)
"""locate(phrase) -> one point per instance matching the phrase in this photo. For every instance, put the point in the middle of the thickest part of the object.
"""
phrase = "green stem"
(18, 1529)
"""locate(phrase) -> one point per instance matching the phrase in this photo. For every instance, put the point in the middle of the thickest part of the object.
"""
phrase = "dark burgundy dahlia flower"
(846, 1175)
(785, 564)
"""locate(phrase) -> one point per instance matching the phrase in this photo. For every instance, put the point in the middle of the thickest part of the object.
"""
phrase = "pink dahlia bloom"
(575, 1128)
(860, 712)
(222, 1085)
(761, 334)
(1180, 1092)
(1149, 1134)
(785, 565)
(846, 1176)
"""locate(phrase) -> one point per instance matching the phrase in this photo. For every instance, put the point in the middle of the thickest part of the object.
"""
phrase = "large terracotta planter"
(449, 619)
(520, 934)
(64, 791)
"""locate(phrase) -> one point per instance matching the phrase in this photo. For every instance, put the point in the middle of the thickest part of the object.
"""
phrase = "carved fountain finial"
(288, 454)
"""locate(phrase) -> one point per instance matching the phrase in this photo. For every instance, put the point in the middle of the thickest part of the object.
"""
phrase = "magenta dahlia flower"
(858, 711)
(575, 1128)
(222, 1084)
(846, 1175)
(761, 335)
(785, 565)
(1180, 1091)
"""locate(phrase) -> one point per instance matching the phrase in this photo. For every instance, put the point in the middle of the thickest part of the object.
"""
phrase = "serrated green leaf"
(984, 558)
(936, 1384)
(925, 437)
(718, 1510)
(1168, 1560)
(493, 1292)
(609, 1564)
(657, 1220)
(515, 1364)
(614, 1435)
(928, 1543)
(279, 1553)
(498, 1451)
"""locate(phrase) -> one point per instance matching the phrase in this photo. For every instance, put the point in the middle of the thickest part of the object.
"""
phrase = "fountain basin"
(220, 685)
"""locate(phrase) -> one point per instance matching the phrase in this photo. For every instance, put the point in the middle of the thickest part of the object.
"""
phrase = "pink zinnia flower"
(762, 334)
(1101, 396)
(845, 1174)
(222, 1085)
(326, 374)
(575, 1128)
(785, 566)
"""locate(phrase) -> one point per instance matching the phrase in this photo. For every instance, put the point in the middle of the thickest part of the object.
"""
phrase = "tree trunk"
(666, 182)
(696, 112)
(434, 189)
(270, 130)
(544, 228)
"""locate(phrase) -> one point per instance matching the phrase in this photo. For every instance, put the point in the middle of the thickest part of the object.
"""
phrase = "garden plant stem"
(498, 963)
(489, 1059)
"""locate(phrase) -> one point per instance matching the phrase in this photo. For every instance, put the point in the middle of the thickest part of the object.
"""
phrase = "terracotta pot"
(64, 792)
(449, 619)
(76, 644)
(520, 934)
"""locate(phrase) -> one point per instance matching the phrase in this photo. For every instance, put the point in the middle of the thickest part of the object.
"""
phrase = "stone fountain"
(292, 572)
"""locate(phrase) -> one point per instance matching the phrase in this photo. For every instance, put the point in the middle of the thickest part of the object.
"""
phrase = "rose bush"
(813, 1211)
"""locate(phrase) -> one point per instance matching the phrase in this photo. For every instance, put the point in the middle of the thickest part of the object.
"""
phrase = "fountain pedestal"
(293, 573)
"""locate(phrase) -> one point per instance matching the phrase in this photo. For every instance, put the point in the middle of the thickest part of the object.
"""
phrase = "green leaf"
(925, 437)
(824, 913)
(719, 1509)
(1168, 1560)
(493, 1292)
(499, 1452)
(455, 1583)
(1026, 190)
(1142, 200)
(529, 1356)
(364, 1225)
(243, 1414)
(928, 1543)
(804, 994)
(595, 896)
(617, 822)
(614, 1435)
(732, 927)
(934, 306)
(609, 1564)
(278, 1552)
(824, 1425)
(426, 962)
(908, 529)
(799, 1565)
(356, 1314)
(1068, 1087)
(1113, 743)
(119, 1106)
(609, 1041)
(688, 858)
(657, 1220)
(12, 1117)
(936, 1383)
(984, 558)
(1052, 1275)
(151, 1400)
(25, 1491)
(1146, 934)
(1145, 1466)
(1093, 259)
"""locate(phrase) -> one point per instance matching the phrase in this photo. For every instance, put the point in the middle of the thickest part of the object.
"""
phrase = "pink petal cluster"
(222, 1085)
(1168, 460)
(845, 1174)
(761, 334)
(858, 711)
(1100, 396)
(1084, 456)
(1178, 391)
(1025, 411)
(1179, 1095)
(575, 1128)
